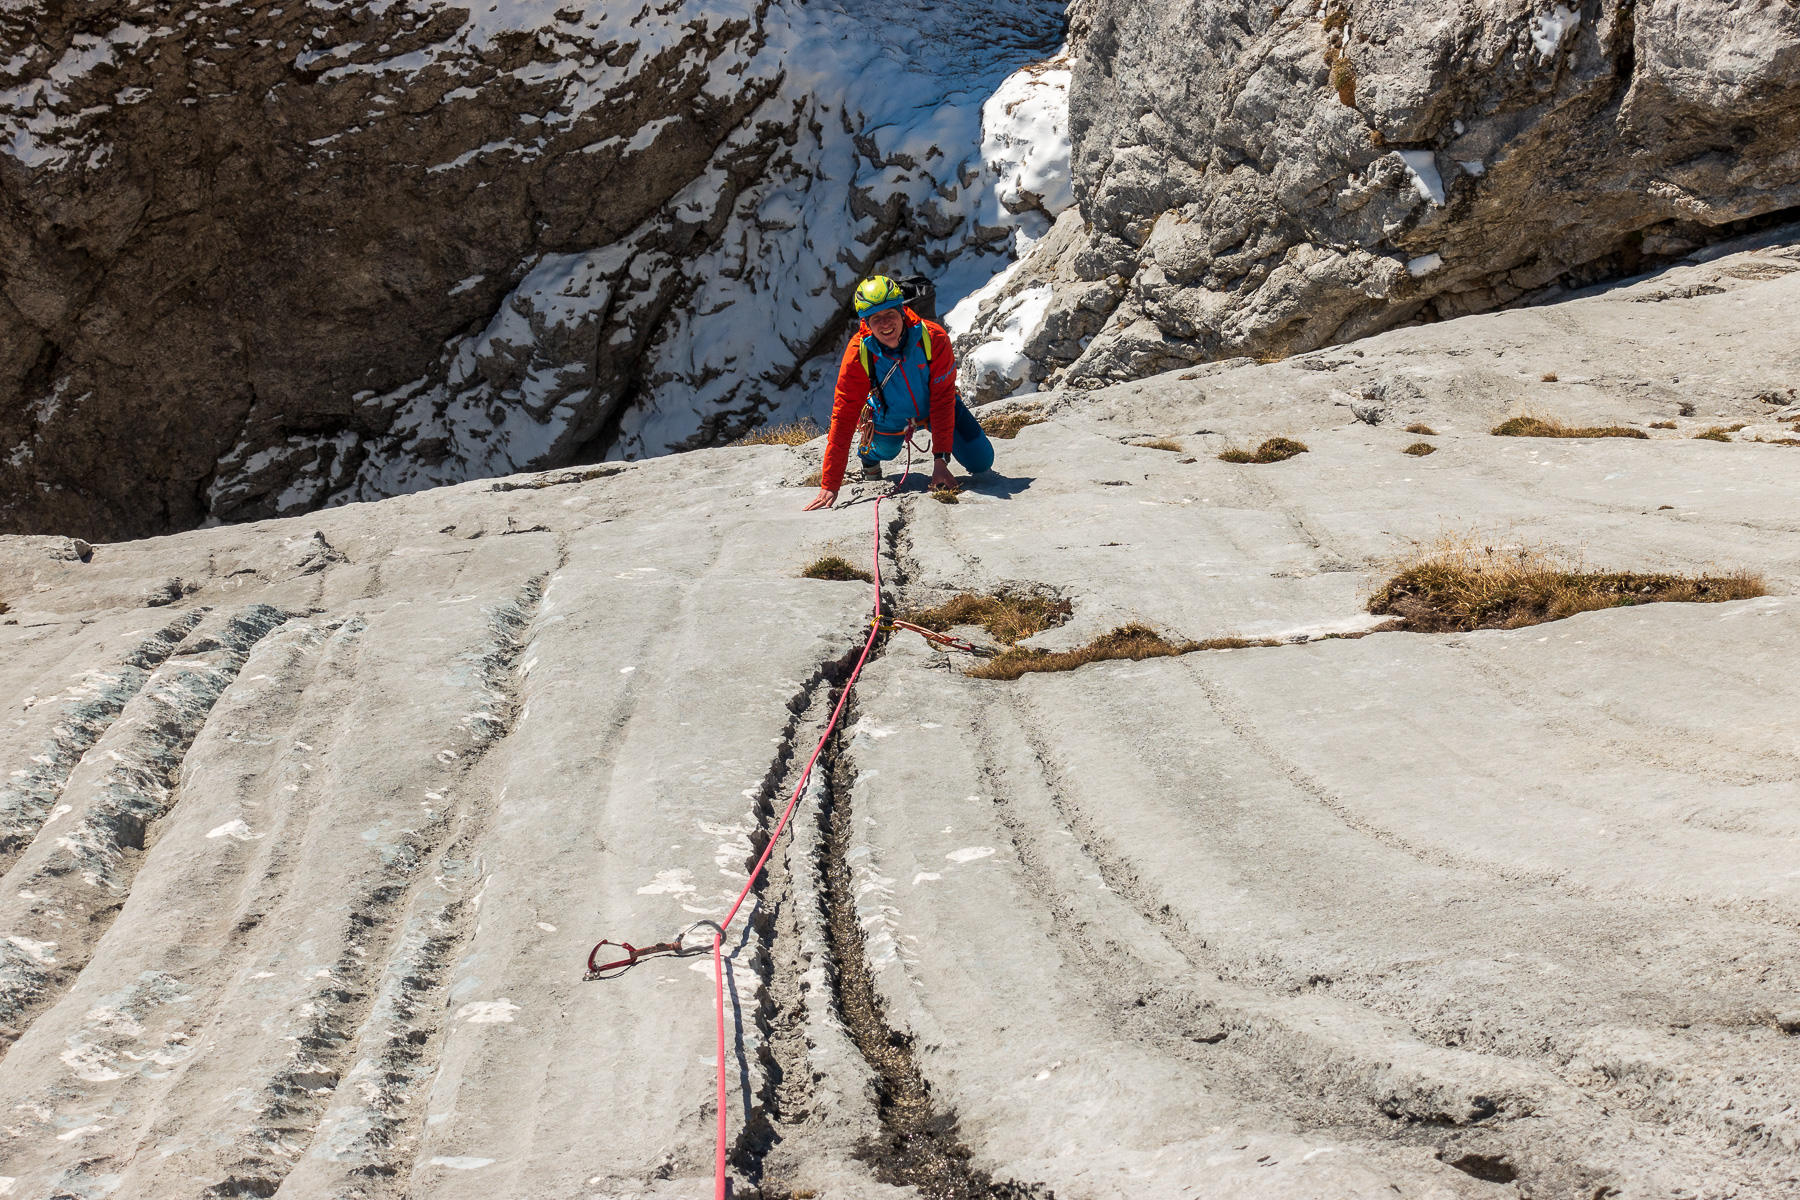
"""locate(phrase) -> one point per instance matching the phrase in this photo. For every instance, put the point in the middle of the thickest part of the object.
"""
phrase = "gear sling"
(968, 442)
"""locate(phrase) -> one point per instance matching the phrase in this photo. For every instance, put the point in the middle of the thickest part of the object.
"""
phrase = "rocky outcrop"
(258, 258)
(1263, 180)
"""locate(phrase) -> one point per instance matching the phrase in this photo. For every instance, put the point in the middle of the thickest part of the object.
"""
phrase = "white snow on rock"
(31, 129)
(1425, 264)
(488, 1012)
(1549, 29)
(946, 111)
(1426, 180)
(1025, 149)
(922, 93)
(236, 830)
(1004, 355)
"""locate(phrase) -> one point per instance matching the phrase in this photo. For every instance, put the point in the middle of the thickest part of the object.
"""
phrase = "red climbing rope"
(677, 945)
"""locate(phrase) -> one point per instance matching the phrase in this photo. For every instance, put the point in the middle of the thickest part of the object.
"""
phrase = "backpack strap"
(868, 363)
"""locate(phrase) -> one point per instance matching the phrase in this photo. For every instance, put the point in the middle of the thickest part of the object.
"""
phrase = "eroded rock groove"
(919, 1144)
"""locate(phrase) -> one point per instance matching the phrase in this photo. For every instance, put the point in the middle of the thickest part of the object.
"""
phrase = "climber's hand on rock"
(941, 476)
(824, 499)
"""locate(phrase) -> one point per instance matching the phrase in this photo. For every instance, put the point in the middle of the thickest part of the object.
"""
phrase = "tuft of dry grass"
(1463, 582)
(1007, 425)
(1161, 444)
(1716, 433)
(793, 433)
(1234, 643)
(836, 566)
(1276, 449)
(1765, 441)
(946, 495)
(1007, 618)
(1662, 424)
(4, 606)
(1135, 641)
(1420, 449)
(1528, 425)
(1421, 428)
(1343, 80)
(816, 479)
(1547, 377)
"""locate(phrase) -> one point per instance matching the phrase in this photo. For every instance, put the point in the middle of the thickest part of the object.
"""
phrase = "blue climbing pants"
(971, 447)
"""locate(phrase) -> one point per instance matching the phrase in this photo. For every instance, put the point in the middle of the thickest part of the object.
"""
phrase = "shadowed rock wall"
(230, 223)
(257, 258)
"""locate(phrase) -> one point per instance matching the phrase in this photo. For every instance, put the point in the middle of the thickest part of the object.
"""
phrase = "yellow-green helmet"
(876, 294)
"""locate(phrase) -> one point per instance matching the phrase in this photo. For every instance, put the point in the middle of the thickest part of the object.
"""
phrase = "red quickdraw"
(931, 635)
(633, 954)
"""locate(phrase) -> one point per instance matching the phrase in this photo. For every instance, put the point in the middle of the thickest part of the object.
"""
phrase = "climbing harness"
(865, 432)
(677, 946)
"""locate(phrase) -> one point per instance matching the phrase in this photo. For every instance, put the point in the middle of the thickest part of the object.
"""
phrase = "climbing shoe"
(872, 472)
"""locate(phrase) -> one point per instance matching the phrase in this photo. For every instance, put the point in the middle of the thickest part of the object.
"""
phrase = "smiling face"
(888, 326)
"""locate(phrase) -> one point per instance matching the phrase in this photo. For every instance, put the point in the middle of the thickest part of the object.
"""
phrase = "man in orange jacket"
(903, 370)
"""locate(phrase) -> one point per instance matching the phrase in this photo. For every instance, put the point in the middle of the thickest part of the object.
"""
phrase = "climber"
(898, 373)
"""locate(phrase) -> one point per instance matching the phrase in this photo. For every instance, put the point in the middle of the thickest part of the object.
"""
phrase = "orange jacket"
(905, 392)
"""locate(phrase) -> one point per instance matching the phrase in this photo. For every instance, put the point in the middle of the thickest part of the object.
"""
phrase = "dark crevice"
(919, 1144)
(1489, 1168)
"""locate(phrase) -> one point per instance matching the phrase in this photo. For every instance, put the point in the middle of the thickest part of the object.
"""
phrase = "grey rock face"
(1266, 180)
(301, 868)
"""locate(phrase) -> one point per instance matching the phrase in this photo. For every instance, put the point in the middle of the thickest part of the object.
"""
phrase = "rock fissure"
(811, 940)
(919, 1144)
(64, 890)
(77, 717)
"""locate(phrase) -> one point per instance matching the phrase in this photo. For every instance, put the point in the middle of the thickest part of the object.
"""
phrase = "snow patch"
(1549, 29)
(488, 1012)
(1025, 150)
(1424, 265)
(646, 137)
(236, 830)
(1422, 164)
(1003, 357)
